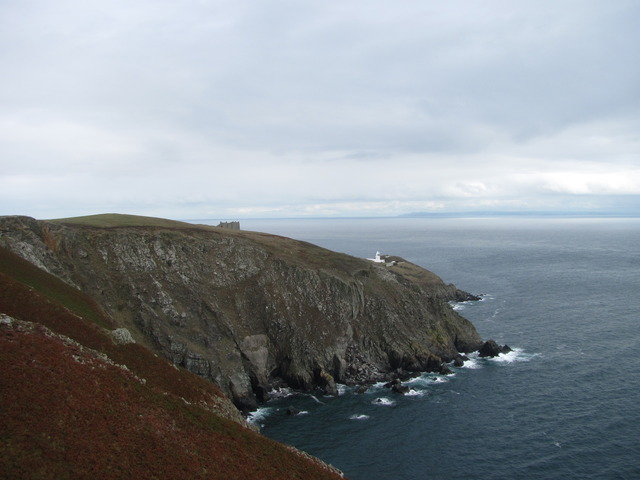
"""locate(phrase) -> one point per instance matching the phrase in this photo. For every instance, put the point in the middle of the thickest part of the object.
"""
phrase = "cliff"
(81, 400)
(248, 310)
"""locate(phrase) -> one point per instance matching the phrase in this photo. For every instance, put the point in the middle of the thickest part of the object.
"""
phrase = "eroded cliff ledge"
(249, 310)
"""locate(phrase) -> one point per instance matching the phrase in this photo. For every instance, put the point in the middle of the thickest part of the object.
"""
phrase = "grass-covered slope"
(107, 220)
(74, 404)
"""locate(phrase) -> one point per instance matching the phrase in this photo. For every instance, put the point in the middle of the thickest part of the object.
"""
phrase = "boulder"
(362, 389)
(122, 336)
(459, 361)
(399, 388)
(392, 383)
(292, 411)
(491, 349)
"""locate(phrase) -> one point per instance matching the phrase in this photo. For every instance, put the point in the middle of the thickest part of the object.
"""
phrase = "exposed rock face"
(247, 310)
(122, 336)
(491, 349)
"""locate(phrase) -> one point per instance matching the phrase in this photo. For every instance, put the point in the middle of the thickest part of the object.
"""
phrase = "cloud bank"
(200, 109)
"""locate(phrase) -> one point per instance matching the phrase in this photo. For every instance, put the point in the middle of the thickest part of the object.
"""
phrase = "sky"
(198, 109)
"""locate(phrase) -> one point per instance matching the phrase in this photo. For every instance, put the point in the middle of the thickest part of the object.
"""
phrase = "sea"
(563, 293)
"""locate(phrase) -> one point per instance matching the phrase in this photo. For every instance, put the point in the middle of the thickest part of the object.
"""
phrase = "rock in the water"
(362, 389)
(292, 411)
(491, 349)
(399, 388)
(445, 370)
(392, 383)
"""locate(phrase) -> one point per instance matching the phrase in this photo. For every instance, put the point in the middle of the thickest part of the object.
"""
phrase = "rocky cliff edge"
(251, 311)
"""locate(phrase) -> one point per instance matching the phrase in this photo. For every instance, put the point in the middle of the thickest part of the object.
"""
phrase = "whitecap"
(419, 380)
(415, 393)
(515, 355)
(316, 399)
(422, 381)
(473, 362)
(457, 306)
(441, 379)
(259, 416)
(359, 417)
(383, 401)
(278, 393)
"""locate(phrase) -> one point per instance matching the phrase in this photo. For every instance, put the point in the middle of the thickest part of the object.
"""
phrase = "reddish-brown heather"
(30, 303)
(66, 412)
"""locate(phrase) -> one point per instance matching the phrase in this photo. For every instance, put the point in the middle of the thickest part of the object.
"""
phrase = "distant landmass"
(524, 214)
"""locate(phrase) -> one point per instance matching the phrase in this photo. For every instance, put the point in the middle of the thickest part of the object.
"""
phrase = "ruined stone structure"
(230, 225)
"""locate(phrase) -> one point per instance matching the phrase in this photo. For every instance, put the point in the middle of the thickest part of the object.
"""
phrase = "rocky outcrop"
(122, 336)
(491, 349)
(248, 310)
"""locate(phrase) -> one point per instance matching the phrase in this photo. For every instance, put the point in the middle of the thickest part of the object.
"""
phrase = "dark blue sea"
(563, 293)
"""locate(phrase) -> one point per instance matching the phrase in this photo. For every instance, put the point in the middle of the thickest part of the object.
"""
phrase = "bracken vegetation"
(73, 404)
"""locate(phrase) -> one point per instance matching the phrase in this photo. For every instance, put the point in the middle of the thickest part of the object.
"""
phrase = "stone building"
(230, 225)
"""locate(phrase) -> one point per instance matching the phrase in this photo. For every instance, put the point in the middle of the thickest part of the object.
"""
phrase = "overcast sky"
(200, 109)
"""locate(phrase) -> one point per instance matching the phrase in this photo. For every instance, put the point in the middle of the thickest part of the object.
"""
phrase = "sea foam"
(259, 416)
(384, 401)
(415, 393)
(473, 362)
(515, 355)
(278, 393)
(359, 417)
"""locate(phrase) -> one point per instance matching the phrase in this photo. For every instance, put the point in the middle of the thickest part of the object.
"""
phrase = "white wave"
(342, 389)
(316, 399)
(440, 379)
(415, 393)
(383, 401)
(359, 417)
(515, 355)
(278, 393)
(473, 362)
(417, 380)
(260, 415)
(457, 306)
(422, 381)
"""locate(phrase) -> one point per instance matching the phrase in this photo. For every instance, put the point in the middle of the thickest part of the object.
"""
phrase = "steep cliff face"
(81, 400)
(250, 310)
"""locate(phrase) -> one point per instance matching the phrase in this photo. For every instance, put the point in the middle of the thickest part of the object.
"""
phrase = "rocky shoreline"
(367, 375)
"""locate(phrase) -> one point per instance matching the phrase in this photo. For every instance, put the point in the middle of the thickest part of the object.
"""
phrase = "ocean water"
(564, 293)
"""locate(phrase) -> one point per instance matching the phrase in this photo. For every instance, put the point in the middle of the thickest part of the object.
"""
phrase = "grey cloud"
(455, 101)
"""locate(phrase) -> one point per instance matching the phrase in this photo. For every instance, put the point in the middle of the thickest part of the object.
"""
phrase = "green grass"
(109, 220)
(288, 249)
